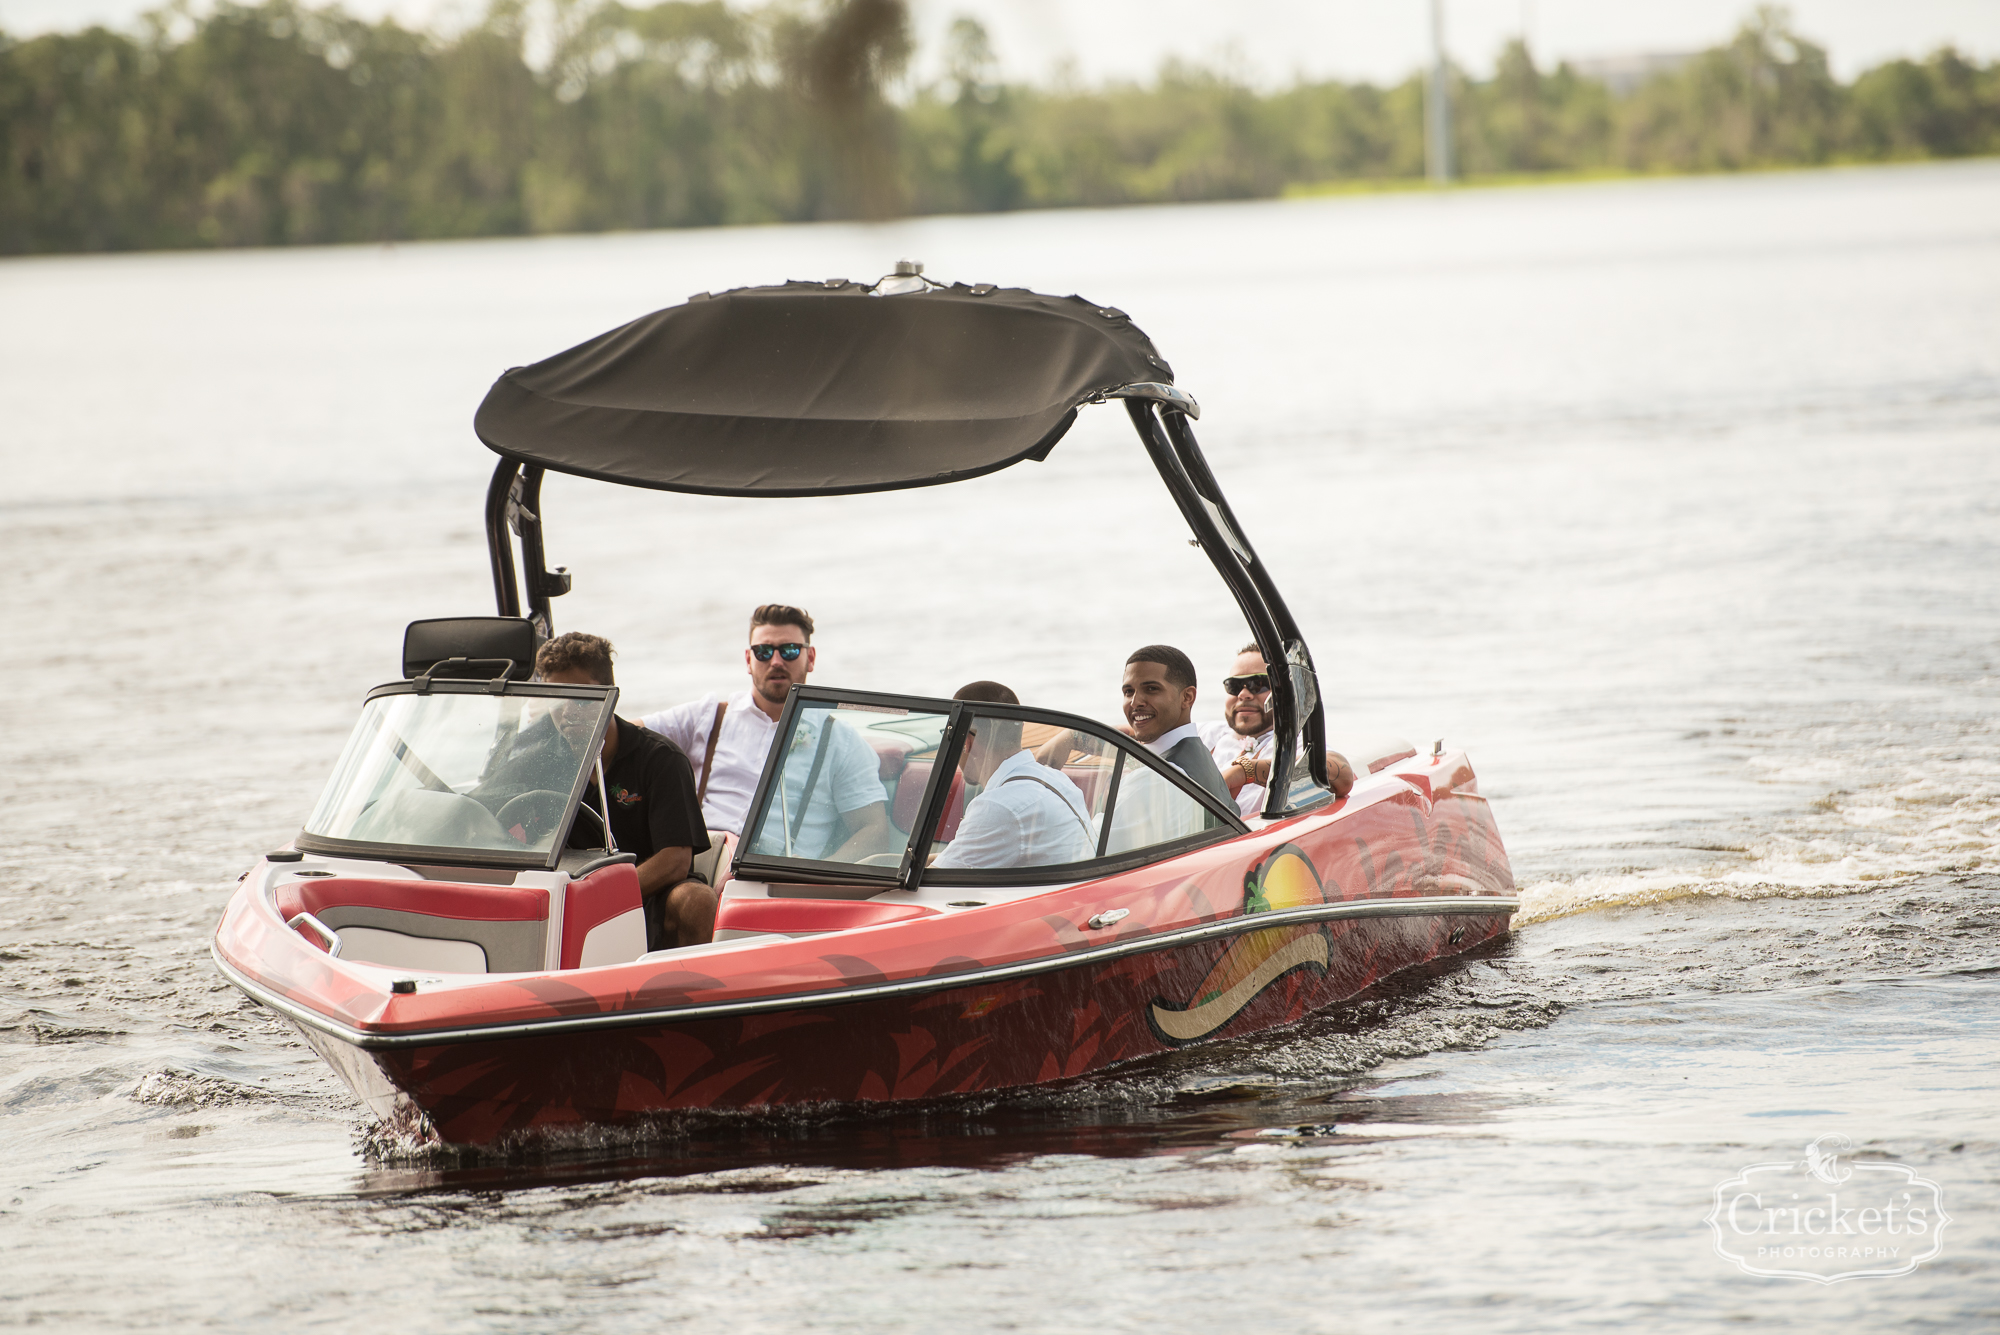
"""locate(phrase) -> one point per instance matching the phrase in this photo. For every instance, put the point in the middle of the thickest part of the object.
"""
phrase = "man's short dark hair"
(986, 692)
(1005, 733)
(1180, 669)
(591, 653)
(782, 614)
(1252, 648)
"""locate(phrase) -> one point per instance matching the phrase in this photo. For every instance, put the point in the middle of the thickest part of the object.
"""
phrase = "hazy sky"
(1272, 40)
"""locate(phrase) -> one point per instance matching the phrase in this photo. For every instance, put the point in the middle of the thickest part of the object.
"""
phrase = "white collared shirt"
(1167, 741)
(740, 752)
(748, 732)
(1226, 744)
(1028, 815)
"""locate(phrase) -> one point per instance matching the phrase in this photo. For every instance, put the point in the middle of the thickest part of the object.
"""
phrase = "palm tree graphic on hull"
(1255, 961)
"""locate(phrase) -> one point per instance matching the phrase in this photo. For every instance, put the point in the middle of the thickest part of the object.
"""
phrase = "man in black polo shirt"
(654, 814)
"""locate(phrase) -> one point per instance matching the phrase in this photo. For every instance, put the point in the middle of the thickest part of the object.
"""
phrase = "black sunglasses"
(789, 652)
(1258, 683)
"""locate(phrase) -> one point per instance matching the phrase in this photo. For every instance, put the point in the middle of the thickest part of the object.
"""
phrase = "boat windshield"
(850, 785)
(467, 771)
(1024, 795)
(1043, 797)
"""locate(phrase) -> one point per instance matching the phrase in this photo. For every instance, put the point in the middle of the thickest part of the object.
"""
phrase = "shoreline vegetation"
(1402, 185)
(278, 124)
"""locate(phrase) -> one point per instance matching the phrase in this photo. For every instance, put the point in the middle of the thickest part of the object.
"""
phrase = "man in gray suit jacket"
(1159, 705)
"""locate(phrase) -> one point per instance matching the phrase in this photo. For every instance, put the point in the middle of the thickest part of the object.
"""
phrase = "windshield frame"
(768, 867)
(436, 855)
(1088, 869)
(913, 870)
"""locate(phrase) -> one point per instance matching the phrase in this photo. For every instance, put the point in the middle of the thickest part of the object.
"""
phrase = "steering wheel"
(531, 818)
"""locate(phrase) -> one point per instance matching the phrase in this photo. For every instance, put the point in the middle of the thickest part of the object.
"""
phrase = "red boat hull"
(1239, 937)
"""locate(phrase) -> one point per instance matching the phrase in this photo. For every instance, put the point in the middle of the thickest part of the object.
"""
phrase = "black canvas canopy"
(813, 389)
(822, 389)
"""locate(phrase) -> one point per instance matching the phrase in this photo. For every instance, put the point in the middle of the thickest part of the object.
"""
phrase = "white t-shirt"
(851, 776)
(1225, 744)
(1028, 815)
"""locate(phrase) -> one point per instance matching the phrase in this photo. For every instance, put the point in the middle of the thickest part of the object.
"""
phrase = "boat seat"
(435, 925)
(909, 798)
(892, 752)
(713, 866)
(1086, 778)
(603, 921)
(805, 917)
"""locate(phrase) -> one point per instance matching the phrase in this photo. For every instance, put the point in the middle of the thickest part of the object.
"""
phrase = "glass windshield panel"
(850, 784)
(473, 771)
(1152, 810)
(1036, 797)
(1301, 789)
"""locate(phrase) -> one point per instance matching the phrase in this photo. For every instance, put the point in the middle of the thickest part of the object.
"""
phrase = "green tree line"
(276, 124)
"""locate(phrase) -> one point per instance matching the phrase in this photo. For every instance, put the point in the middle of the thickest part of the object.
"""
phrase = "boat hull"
(1232, 939)
(958, 1040)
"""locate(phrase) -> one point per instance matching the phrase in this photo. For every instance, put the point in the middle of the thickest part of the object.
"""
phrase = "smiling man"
(1247, 732)
(1242, 743)
(1159, 693)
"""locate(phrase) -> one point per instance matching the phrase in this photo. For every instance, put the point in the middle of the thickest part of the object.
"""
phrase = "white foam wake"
(1939, 815)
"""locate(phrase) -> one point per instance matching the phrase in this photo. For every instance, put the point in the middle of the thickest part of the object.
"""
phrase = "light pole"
(1437, 104)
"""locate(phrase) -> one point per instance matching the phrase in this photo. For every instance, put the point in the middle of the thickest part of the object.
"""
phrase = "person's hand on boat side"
(1342, 773)
(1257, 770)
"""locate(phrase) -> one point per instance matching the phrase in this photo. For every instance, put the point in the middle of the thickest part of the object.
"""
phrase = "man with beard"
(1242, 743)
(729, 739)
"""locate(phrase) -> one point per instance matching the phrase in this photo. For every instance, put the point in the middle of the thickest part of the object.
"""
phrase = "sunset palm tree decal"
(1253, 962)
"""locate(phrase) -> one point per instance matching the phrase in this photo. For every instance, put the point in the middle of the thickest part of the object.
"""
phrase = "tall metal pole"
(1437, 104)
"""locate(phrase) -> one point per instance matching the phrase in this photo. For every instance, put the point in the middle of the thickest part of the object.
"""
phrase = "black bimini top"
(814, 389)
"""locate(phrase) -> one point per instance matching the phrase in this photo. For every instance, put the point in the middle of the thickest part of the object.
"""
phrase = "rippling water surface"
(1677, 503)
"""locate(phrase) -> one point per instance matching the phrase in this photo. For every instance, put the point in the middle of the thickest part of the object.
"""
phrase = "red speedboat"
(441, 934)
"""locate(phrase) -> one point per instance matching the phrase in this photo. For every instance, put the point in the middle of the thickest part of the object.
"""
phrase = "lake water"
(1677, 503)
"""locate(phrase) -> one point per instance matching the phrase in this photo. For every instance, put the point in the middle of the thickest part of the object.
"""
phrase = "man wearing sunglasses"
(1243, 742)
(728, 740)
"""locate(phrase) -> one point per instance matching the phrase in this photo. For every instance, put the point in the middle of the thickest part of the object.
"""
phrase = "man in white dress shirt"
(727, 741)
(1159, 693)
(1027, 814)
(1242, 742)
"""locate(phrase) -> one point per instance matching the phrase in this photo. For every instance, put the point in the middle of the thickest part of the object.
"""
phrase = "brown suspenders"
(1031, 778)
(708, 761)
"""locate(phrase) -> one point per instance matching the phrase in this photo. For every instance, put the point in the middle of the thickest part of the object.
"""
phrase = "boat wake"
(1939, 816)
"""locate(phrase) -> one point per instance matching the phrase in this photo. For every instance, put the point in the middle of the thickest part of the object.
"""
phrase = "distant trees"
(1766, 98)
(274, 124)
